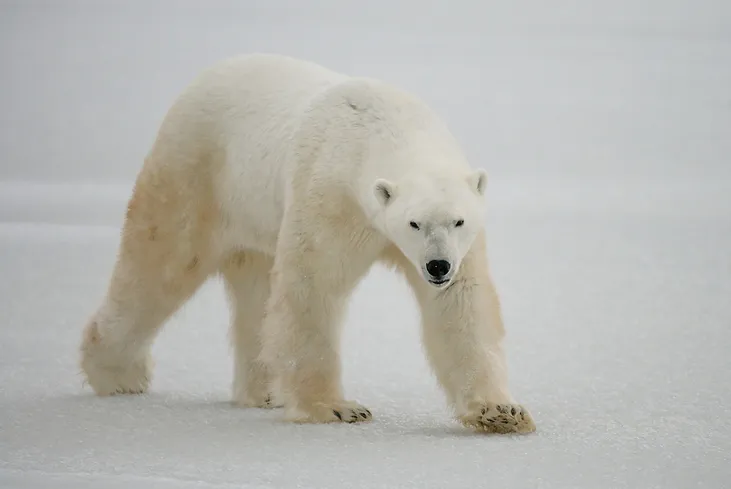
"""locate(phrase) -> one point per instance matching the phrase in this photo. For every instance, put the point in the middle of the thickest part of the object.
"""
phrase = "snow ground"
(614, 271)
(618, 343)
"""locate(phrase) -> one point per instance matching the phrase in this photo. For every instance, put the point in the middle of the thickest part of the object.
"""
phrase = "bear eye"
(459, 223)
(414, 225)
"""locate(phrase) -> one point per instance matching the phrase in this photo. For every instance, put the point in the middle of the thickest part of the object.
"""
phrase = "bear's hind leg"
(160, 264)
(246, 275)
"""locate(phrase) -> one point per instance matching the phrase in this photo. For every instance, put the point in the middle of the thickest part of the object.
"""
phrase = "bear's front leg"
(301, 332)
(302, 336)
(463, 334)
(463, 340)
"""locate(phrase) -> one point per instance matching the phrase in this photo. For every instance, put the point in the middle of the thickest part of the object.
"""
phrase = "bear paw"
(108, 372)
(336, 412)
(491, 417)
(107, 380)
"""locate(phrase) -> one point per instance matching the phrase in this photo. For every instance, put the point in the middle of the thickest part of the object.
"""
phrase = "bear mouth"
(438, 283)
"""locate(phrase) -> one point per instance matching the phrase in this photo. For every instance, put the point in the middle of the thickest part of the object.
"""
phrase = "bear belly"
(252, 210)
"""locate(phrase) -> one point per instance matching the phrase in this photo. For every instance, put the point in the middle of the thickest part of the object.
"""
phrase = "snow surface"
(606, 129)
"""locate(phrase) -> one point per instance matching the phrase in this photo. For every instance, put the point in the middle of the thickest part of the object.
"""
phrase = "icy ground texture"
(618, 341)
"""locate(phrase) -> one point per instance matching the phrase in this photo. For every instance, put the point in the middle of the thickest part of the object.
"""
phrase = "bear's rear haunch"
(290, 181)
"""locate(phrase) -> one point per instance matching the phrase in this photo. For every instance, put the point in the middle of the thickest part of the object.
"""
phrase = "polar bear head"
(433, 221)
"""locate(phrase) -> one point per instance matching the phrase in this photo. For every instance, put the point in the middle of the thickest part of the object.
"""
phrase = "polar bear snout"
(438, 272)
(438, 269)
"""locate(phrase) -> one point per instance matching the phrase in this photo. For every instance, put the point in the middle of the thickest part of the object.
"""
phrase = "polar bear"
(290, 181)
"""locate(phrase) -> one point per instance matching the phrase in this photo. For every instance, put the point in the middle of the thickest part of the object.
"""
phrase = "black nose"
(438, 268)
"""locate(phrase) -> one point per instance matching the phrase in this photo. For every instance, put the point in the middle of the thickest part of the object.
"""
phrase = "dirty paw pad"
(500, 418)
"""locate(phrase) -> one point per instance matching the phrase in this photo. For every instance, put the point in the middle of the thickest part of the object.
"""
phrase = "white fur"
(290, 181)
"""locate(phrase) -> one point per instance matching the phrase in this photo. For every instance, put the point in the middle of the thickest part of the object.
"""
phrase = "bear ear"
(384, 191)
(478, 181)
